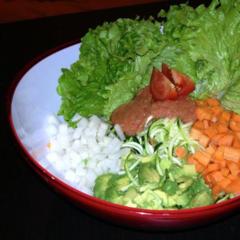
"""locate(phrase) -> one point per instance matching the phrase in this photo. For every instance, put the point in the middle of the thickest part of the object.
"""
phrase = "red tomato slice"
(167, 72)
(161, 87)
(183, 83)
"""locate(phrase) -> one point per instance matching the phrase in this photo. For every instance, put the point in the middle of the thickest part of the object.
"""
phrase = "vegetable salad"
(170, 164)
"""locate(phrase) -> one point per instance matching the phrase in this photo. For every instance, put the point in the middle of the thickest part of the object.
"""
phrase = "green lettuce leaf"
(116, 61)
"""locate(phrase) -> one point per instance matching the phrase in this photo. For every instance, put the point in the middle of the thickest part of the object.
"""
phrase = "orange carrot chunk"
(225, 116)
(180, 152)
(196, 134)
(202, 157)
(233, 178)
(224, 183)
(218, 155)
(216, 190)
(235, 126)
(225, 171)
(237, 134)
(234, 168)
(216, 177)
(206, 124)
(236, 143)
(222, 164)
(211, 149)
(212, 167)
(226, 140)
(204, 140)
(215, 139)
(212, 102)
(217, 111)
(211, 131)
(203, 113)
(198, 124)
(222, 128)
(236, 117)
(233, 187)
(199, 167)
(231, 153)
(201, 103)
(208, 179)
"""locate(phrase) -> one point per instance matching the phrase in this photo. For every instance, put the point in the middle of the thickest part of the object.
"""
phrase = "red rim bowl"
(121, 215)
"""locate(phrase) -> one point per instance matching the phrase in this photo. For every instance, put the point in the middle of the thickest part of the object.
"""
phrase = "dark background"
(29, 209)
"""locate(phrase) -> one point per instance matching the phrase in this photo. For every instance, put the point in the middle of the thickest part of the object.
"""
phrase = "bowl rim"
(163, 212)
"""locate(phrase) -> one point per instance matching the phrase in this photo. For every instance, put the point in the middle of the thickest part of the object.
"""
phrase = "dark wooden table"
(29, 209)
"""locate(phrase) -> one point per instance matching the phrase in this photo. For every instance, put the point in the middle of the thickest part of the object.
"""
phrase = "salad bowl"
(32, 97)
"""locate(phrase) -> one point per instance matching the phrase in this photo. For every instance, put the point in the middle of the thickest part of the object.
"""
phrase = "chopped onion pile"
(84, 152)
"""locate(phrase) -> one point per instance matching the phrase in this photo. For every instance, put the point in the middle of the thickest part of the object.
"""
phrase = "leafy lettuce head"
(117, 58)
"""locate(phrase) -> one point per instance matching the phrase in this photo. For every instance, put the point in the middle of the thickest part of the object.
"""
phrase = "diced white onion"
(80, 154)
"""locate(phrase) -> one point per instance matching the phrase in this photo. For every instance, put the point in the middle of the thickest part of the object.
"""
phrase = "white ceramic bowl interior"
(35, 98)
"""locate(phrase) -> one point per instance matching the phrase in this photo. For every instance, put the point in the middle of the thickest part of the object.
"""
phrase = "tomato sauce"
(133, 116)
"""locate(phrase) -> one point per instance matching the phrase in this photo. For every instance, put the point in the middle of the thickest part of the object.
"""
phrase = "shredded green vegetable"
(161, 139)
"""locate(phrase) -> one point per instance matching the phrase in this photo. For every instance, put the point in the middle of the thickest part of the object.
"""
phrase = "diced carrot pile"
(218, 131)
